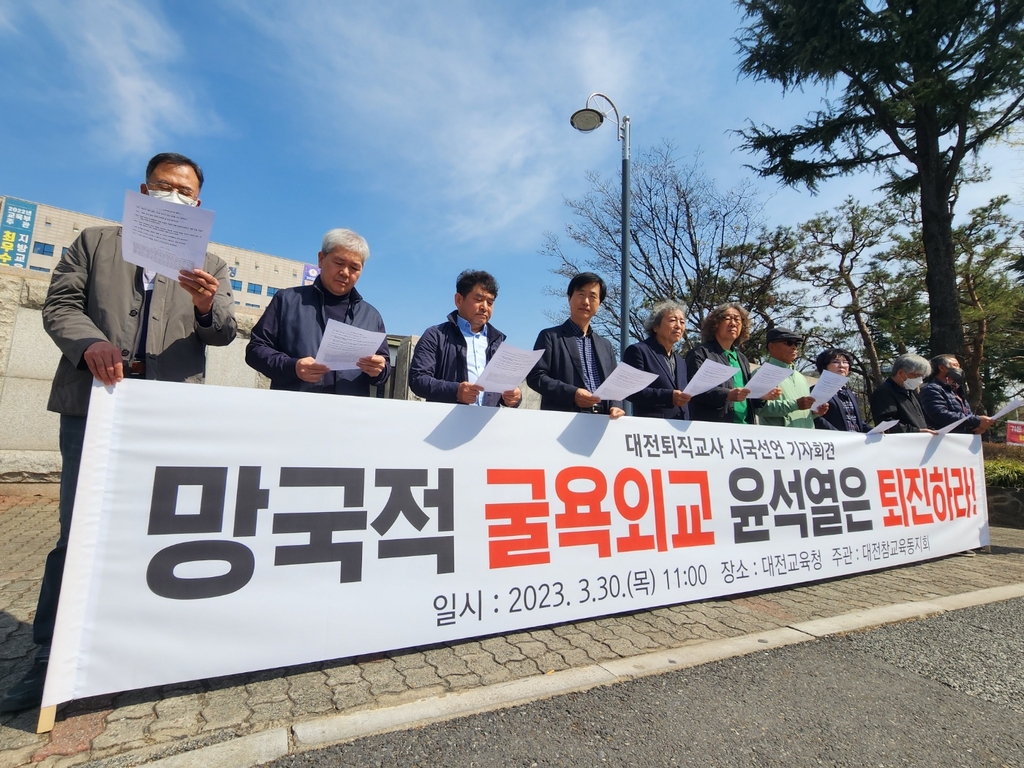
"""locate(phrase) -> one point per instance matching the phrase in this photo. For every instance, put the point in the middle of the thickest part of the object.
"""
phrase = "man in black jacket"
(576, 360)
(896, 397)
(284, 342)
(451, 356)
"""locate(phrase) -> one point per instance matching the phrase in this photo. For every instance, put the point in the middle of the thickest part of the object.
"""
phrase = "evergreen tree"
(924, 84)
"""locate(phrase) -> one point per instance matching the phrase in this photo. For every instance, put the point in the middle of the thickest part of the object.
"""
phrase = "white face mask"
(913, 383)
(171, 196)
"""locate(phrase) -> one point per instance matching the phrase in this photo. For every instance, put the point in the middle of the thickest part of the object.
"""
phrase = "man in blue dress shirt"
(450, 357)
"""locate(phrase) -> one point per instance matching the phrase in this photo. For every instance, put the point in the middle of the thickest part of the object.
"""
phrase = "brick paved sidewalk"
(132, 728)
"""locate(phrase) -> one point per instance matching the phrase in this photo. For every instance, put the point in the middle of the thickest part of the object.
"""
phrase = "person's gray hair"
(658, 313)
(912, 364)
(346, 240)
(946, 360)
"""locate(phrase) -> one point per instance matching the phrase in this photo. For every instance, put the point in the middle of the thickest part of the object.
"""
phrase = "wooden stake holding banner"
(47, 717)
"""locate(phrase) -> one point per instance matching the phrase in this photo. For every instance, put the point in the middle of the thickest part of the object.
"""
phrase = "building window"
(34, 268)
(254, 306)
(42, 248)
(63, 252)
(271, 291)
(238, 303)
(255, 288)
(236, 285)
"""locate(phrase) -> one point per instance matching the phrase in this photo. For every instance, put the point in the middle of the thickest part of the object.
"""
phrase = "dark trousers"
(72, 434)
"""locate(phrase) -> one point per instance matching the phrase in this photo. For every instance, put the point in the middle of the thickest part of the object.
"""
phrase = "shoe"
(968, 553)
(28, 693)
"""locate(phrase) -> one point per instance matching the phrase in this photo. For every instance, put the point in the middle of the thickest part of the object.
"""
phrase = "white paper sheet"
(623, 382)
(507, 368)
(344, 344)
(950, 427)
(884, 426)
(766, 378)
(1012, 406)
(710, 374)
(828, 384)
(164, 237)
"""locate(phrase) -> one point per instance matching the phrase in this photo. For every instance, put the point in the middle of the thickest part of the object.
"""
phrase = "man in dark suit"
(576, 360)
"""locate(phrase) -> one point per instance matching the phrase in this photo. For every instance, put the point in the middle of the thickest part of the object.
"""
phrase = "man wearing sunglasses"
(791, 408)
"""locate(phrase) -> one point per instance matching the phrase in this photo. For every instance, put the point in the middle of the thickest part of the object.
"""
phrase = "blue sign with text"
(16, 232)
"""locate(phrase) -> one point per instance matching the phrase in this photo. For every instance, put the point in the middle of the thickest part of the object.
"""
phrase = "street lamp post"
(586, 120)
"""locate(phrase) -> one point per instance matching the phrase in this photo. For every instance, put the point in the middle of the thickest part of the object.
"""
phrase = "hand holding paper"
(344, 345)
(507, 368)
(164, 237)
(766, 378)
(710, 374)
(828, 384)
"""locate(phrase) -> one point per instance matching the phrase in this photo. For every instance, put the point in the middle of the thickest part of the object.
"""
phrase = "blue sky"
(439, 131)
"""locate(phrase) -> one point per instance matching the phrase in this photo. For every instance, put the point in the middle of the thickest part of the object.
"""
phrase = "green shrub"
(1004, 473)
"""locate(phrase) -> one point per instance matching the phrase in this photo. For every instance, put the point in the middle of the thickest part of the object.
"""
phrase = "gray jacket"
(95, 295)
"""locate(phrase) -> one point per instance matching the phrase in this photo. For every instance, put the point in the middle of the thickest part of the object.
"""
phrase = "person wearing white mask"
(111, 320)
(896, 397)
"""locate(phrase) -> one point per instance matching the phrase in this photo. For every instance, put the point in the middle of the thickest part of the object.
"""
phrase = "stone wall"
(1006, 507)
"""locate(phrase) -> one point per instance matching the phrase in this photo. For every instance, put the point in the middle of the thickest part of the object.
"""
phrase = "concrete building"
(35, 236)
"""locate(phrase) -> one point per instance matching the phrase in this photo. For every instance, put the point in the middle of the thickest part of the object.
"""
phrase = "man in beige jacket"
(112, 320)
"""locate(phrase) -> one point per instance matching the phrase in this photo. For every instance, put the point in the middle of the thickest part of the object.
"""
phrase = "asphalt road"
(946, 691)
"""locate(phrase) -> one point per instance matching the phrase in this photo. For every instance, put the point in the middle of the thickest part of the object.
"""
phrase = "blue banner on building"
(309, 273)
(16, 232)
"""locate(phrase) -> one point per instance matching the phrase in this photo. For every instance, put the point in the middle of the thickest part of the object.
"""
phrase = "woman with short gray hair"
(896, 397)
(663, 398)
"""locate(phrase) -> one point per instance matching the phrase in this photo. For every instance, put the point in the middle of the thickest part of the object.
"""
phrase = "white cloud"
(470, 107)
(124, 54)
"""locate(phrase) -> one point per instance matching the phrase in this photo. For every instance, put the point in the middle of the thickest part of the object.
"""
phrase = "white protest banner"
(207, 544)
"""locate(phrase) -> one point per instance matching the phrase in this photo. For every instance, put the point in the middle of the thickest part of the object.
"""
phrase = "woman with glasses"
(843, 410)
(725, 327)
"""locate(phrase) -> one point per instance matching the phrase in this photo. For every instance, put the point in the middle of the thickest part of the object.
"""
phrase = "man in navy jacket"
(451, 356)
(285, 341)
(943, 401)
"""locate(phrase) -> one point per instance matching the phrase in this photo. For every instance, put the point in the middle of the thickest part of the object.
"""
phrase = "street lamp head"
(586, 119)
